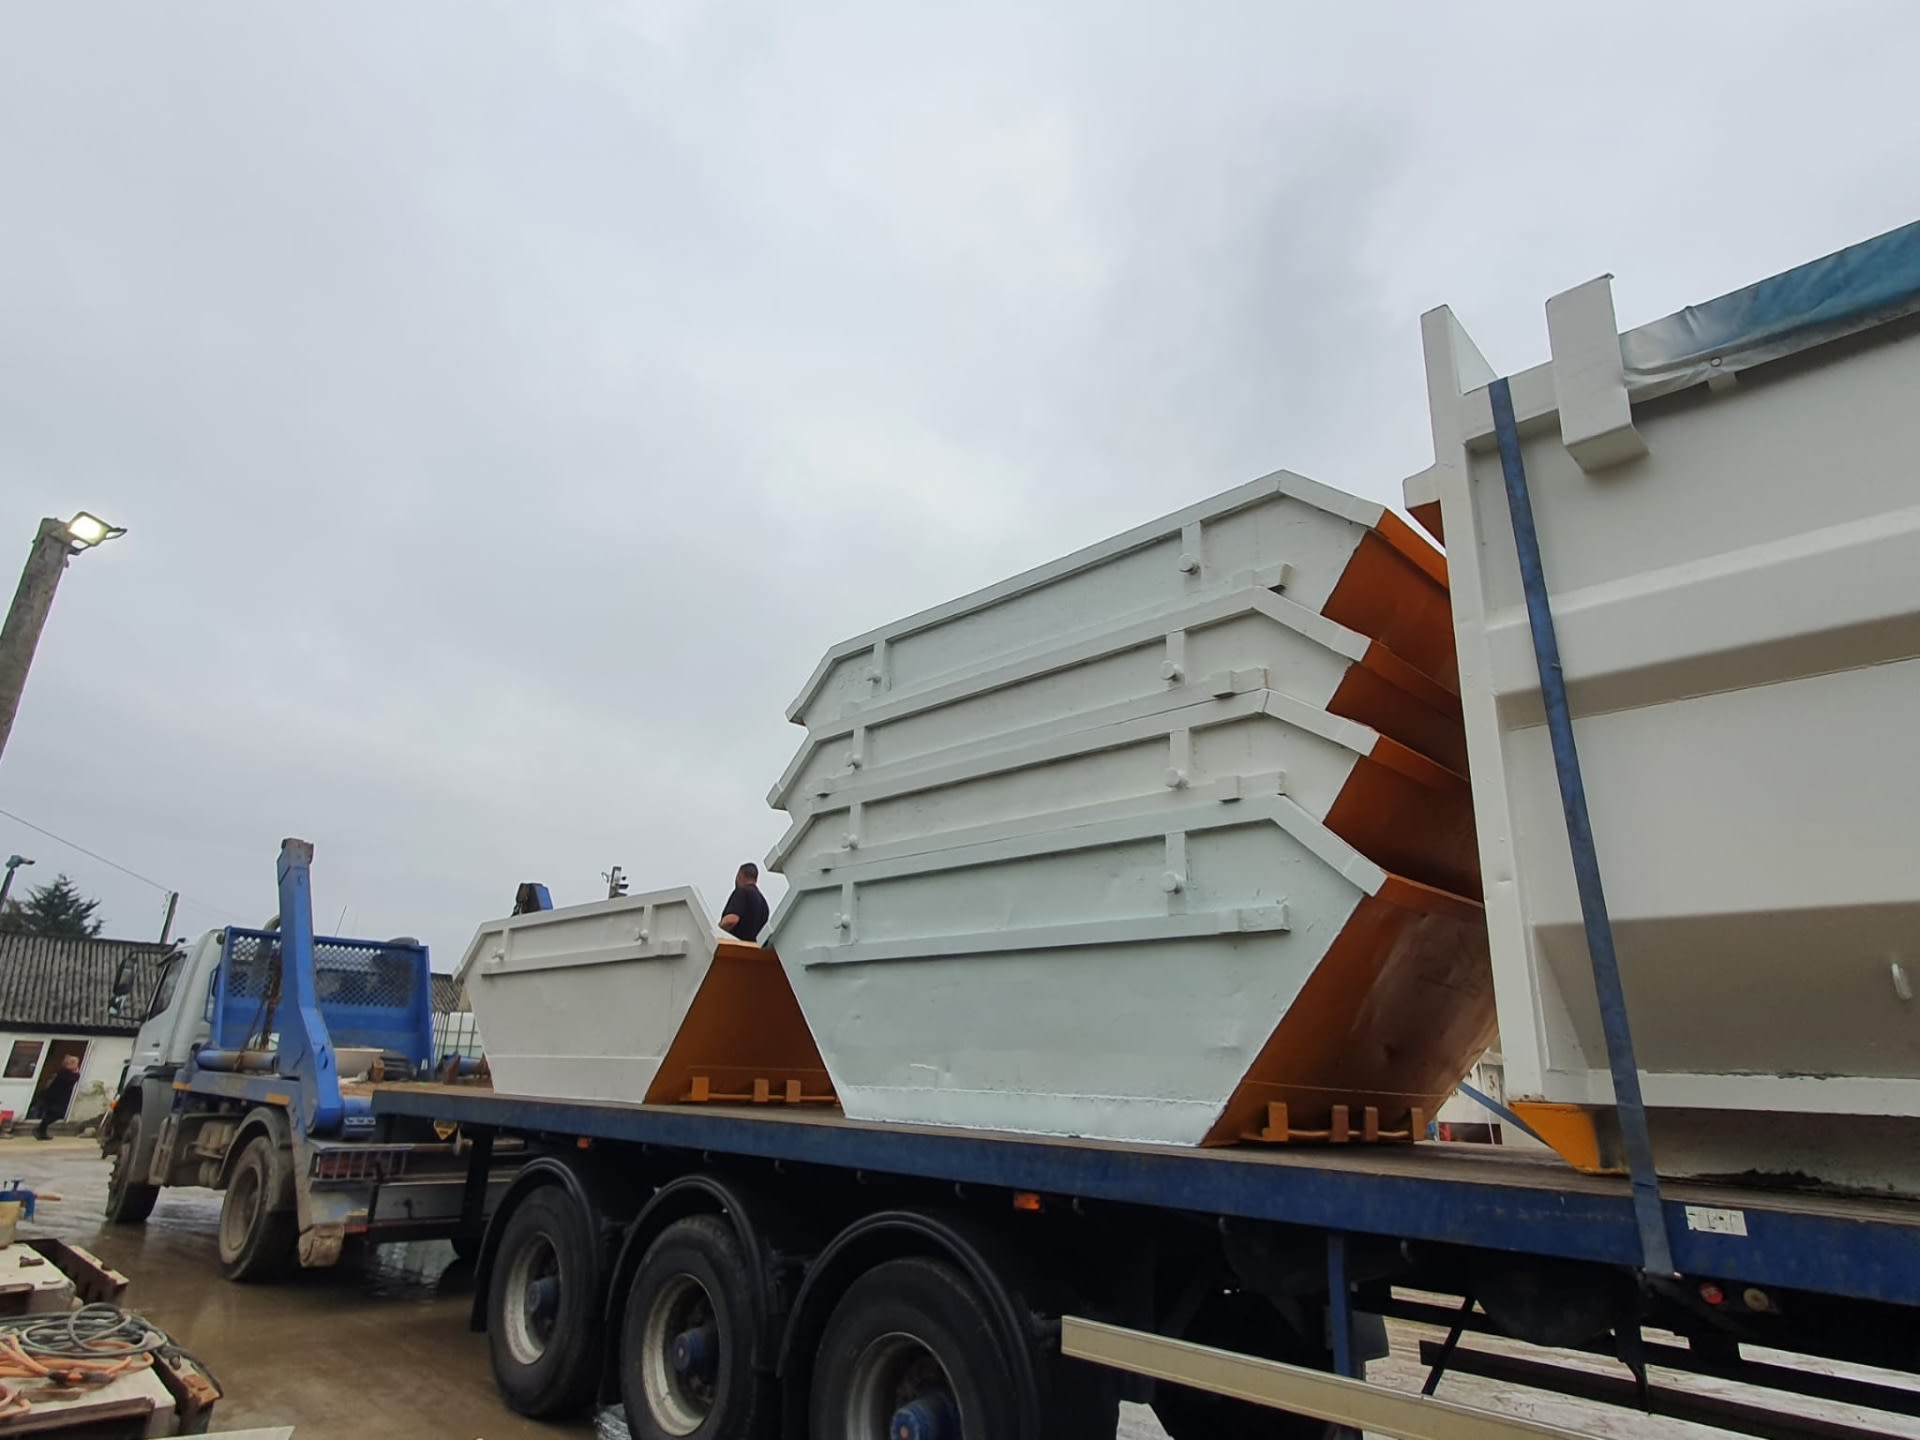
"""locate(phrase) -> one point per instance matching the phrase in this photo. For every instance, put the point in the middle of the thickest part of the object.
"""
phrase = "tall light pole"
(14, 862)
(28, 615)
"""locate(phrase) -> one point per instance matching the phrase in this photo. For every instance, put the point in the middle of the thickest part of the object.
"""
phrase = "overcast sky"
(508, 403)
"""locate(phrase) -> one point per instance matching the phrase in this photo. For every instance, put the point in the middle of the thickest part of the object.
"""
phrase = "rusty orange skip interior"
(1395, 1013)
(1394, 590)
(744, 1038)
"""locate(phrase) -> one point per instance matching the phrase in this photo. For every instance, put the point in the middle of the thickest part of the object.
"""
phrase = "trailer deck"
(1858, 1247)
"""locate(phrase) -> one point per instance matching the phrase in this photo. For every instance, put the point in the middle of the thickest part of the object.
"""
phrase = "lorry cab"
(176, 1019)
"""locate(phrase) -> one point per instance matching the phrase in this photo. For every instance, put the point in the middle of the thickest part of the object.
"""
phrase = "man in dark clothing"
(745, 912)
(53, 1099)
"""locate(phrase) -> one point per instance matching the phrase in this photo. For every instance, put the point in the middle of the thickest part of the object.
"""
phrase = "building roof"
(446, 994)
(58, 983)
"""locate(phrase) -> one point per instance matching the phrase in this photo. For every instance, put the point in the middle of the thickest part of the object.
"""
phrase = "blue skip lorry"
(731, 1273)
(252, 1074)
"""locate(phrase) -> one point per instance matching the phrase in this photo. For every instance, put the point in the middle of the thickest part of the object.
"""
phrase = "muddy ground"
(381, 1346)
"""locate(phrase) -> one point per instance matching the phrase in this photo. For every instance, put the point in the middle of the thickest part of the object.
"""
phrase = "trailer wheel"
(541, 1308)
(1247, 1325)
(911, 1351)
(256, 1241)
(686, 1347)
(129, 1201)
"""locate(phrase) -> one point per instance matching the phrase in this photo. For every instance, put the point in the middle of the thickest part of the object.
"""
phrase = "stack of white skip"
(1166, 840)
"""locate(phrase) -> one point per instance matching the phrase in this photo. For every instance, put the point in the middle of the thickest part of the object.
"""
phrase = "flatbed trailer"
(1127, 1251)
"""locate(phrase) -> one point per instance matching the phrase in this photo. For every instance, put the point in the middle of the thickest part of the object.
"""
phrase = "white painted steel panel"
(1234, 640)
(582, 1003)
(1155, 751)
(1199, 739)
(1292, 532)
(1110, 972)
(1057, 983)
(1739, 620)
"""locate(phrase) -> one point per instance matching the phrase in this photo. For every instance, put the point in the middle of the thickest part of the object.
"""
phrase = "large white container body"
(1067, 852)
(1115, 977)
(582, 1003)
(1284, 532)
(1735, 578)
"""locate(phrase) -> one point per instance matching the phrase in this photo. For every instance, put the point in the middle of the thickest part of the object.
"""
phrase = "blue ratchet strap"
(1656, 1256)
(1501, 1112)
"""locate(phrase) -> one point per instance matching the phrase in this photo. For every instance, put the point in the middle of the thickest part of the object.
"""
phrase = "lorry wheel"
(1247, 1325)
(542, 1306)
(686, 1344)
(256, 1240)
(910, 1350)
(129, 1200)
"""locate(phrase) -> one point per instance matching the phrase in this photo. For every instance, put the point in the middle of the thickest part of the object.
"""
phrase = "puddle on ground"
(380, 1339)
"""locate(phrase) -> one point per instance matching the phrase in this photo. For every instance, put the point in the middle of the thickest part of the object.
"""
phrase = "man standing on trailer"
(745, 912)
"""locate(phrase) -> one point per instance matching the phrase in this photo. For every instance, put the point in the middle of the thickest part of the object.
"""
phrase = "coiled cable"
(90, 1346)
(92, 1332)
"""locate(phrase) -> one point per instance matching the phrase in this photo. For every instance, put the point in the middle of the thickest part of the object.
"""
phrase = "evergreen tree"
(56, 908)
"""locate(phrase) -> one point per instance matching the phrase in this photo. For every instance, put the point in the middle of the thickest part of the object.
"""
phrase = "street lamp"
(12, 863)
(56, 540)
(87, 530)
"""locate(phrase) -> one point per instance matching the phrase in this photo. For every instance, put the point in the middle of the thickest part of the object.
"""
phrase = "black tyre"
(910, 1349)
(129, 1198)
(543, 1307)
(687, 1341)
(1247, 1325)
(258, 1229)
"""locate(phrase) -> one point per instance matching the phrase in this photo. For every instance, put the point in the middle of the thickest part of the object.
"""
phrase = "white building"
(454, 1031)
(64, 996)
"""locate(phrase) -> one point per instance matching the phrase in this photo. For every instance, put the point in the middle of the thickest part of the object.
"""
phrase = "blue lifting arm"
(286, 1003)
(306, 1050)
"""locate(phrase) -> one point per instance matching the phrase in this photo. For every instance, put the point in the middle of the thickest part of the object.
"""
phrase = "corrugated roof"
(53, 982)
(446, 994)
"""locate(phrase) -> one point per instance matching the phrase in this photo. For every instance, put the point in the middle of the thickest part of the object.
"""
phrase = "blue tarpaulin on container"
(1853, 289)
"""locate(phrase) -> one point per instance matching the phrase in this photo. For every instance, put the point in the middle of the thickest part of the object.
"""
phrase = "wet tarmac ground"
(379, 1347)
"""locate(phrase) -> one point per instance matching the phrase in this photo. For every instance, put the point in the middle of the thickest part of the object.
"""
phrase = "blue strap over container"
(1655, 1253)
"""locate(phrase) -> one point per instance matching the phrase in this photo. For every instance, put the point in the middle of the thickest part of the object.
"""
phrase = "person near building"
(59, 1091)
(745, 912)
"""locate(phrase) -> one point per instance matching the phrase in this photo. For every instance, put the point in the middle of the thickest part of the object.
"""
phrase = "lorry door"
(177, 1017)
(149, 1045)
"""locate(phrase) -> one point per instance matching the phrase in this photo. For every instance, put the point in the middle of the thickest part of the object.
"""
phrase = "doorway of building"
(57, 1051)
